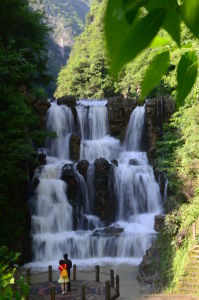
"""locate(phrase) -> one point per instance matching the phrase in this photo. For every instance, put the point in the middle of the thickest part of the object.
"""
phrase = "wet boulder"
(74, 147)
(68, 175)
(104, 206)
(115, 162)
(82, 168)
(133, 162)
(108, 231)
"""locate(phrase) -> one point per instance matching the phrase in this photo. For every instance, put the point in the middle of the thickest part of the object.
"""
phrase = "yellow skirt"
(63, 280)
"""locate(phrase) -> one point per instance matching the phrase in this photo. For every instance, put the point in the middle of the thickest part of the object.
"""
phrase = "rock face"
(82, 168)
(159, 222)
(74, 147)
(70, 101)
(105, 204)
(119, 111)
(68, 175)
(149, 265)
(158, 111)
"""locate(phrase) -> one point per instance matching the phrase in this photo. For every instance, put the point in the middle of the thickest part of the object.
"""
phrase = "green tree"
(22, 68)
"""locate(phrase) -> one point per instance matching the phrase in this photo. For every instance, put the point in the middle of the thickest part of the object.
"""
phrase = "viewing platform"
(44, 286)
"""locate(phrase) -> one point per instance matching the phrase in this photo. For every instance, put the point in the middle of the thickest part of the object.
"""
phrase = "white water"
(136, 190)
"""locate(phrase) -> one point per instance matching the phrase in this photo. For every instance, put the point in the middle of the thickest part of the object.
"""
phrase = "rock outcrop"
(158, 112)
(104, 203)
(70, 101)
(68, 175)
(149, 266)
(119, 111)
(82, 168)
(74, 147)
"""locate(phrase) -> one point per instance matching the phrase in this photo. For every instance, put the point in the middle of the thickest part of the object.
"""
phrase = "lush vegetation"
(22, 69)
(8, 277)
(66, 19)
(87, 72)
(178, 158)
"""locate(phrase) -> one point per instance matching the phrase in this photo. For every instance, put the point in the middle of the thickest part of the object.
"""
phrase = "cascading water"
(132, 183)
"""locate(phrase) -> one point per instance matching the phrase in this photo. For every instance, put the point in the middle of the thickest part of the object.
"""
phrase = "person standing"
(64, 278)
(68, 262)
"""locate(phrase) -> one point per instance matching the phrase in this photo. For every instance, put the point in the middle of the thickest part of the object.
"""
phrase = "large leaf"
(186, 75)
(131, 8)
(125, 47)
(159, 41)
(190, 13)
(154, 73)
(167, 4)
(116, 26)
(172, 24)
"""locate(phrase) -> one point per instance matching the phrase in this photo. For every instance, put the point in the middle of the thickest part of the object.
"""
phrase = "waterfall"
(132, 186)
(59, 120)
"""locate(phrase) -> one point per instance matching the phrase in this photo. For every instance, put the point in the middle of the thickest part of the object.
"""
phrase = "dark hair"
(61, 262)
(66, 256)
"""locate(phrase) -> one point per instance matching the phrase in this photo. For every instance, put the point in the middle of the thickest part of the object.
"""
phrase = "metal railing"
(113, 283)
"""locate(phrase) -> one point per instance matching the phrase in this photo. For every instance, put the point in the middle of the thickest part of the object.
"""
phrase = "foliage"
(177, 156)
(22, 67)
(8, 269)
(137, 24)
(87, 73)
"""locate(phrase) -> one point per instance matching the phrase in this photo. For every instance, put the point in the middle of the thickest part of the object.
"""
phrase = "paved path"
(94, 291)
(170, 297)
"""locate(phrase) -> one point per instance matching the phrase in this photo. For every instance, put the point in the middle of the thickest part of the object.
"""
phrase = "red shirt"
(61, 267)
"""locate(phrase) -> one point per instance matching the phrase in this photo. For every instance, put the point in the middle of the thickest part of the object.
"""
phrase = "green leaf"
(154, 73)
(115, 19)
(125, 47)
(167, 4)
(172, 25)
(160, 42)
(190, 13)
(186, 75)
(131, 9)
